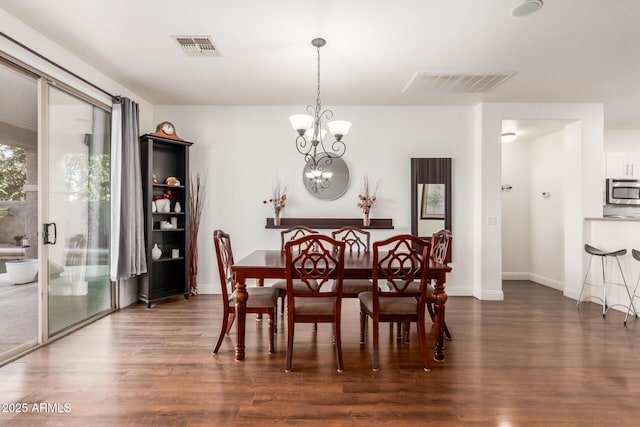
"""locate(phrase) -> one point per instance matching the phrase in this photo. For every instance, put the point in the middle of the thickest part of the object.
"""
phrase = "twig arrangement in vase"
(277, 200)
(196, 202)
(366, 200)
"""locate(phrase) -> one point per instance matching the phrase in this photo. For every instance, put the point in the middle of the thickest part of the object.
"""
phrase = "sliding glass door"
(77, 231)
(19, 318)
(54, 208)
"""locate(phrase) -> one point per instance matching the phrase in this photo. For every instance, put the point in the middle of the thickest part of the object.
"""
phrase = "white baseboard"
(542, 280)
(208, 289)
(492, 295)
(552, 283)
(515, 275)
(572, 293)
(458, 292)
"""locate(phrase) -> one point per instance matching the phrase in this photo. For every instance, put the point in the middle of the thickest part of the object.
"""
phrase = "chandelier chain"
(309, 141)
(318, 93)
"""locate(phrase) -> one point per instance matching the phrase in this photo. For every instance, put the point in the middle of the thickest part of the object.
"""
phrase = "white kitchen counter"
(612, 219)
(613, 234)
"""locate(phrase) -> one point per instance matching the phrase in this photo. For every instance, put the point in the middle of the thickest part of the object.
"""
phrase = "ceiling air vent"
(197, 45)
(456, 82)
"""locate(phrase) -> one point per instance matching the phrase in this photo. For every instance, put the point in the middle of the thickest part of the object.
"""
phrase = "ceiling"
(568, 51)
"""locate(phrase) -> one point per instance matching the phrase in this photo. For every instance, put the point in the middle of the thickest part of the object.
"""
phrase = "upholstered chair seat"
(258, 297)
(321, 306)
(352, 287)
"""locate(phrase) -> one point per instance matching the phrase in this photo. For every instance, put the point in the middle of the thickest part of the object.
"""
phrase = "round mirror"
(329, 180)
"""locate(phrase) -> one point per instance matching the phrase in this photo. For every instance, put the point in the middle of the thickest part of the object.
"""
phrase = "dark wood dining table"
(270, 264)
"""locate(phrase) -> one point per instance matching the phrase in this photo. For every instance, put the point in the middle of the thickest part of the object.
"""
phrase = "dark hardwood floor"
(532, 359)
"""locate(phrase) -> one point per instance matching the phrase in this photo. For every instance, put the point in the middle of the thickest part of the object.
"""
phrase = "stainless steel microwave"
(623, 191)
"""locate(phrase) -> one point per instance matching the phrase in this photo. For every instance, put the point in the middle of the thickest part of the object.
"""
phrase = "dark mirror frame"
(435, 170)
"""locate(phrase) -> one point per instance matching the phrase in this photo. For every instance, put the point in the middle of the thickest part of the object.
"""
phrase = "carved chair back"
(316, 261)
(441, 246)
(224, 255)
(355, 239)
(401, 262)
(294, 233)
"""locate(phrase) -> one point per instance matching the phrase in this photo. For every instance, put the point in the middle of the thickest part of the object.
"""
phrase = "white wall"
(515, 211)
(241, 149)
(626, 140)
(546, 216)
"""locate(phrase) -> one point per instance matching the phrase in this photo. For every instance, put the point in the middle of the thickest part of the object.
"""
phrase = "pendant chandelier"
(309, 141)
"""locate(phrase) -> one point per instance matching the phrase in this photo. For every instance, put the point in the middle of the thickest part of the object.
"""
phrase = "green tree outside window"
(13, 173)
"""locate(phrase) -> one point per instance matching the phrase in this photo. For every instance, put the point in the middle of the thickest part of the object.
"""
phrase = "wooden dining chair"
(261, 300)
(441, 246)
(286, 236)
(440, 253)
(313, 264)
(399, 262)
(356, 241)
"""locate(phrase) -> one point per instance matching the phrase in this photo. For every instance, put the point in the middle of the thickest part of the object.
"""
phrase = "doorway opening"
(533, 202)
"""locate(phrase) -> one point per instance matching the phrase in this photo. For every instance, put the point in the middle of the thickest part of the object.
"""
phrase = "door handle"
(45, 233)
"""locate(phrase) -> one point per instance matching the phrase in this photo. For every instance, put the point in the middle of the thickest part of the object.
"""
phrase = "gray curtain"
(128, 257)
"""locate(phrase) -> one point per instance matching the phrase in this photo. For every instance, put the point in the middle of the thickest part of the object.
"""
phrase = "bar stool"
(636, 255)
(604, 255)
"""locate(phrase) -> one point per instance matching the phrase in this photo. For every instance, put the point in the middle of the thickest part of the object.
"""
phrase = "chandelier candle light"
(309, 141)
(319, 180)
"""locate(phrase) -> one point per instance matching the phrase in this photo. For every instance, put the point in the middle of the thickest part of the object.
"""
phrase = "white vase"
(163, 205)
(366, 220)
(156, 252)
(177, 208)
